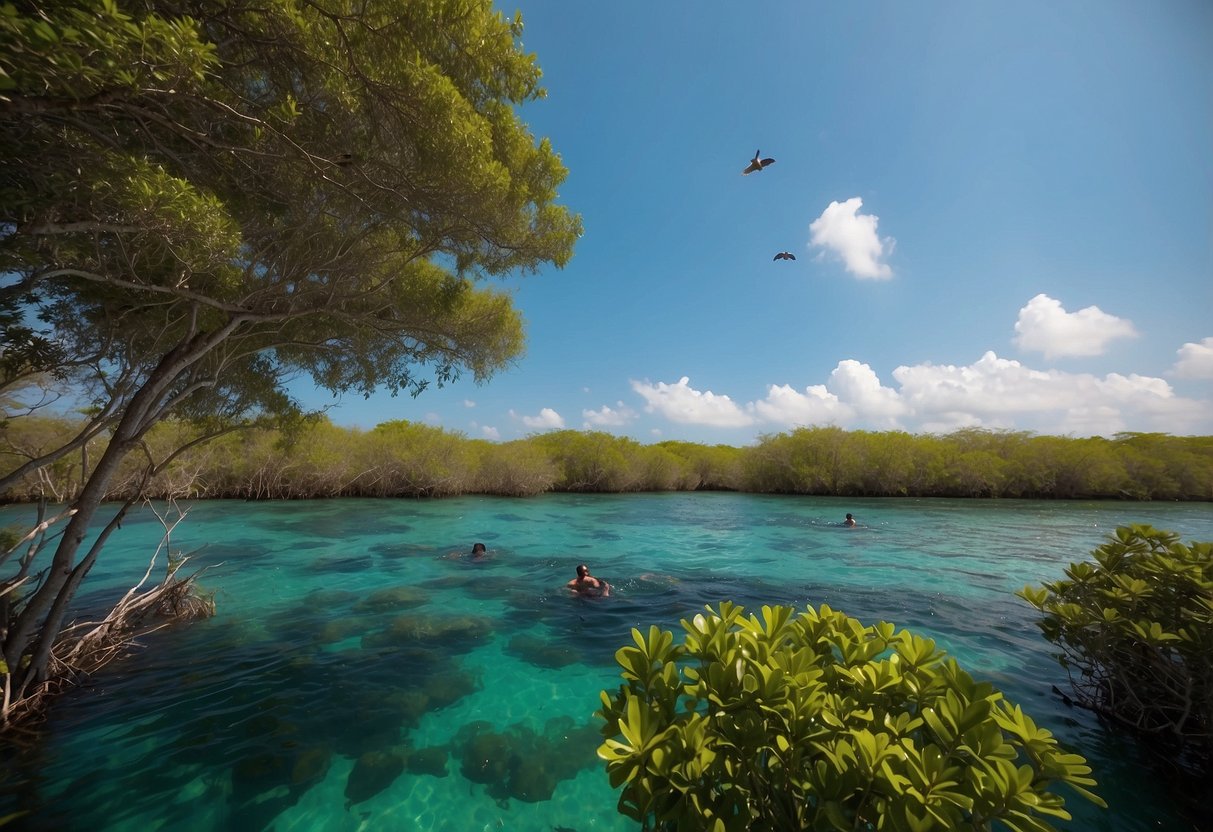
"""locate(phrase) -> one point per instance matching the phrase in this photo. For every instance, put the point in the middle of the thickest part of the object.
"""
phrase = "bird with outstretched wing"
(757, 163)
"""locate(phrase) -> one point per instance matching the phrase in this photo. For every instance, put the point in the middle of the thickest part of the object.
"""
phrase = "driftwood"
(85, 647)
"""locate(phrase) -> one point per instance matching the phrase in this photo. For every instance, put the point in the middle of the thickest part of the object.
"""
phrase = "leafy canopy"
(296, 186)
(814, 721)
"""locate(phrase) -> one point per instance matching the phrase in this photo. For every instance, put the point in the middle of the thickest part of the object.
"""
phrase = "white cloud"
(1000, 393)
(858, 386)
(681, 403)
(852, 395)
(608, 417)
(791, 408)
(468, 403)
(852, 236)
(992, 392)
(1195, 360)
(547, 419)
(1045, 326)
(432, 418)
(490, 432)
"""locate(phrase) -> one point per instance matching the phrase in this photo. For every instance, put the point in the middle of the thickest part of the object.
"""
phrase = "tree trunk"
(38, 625)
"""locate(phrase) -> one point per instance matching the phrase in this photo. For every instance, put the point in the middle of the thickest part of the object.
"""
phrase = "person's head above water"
(478, 549)
(849, 517)
(582, 570)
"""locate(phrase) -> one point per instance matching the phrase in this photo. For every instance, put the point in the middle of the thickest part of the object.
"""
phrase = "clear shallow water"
(355, 678)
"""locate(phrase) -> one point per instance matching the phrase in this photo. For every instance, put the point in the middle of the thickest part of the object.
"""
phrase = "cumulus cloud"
(999, 393)
(608, 417)
(992, 392)
(490, 432)
(1195, 360)
(789, 407)
(547, 419)
(685, 405)
(852, 237)
(1045, 326)
(853, 395)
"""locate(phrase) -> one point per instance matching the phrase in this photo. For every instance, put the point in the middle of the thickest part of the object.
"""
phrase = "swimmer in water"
(850, 521)
(587, 584)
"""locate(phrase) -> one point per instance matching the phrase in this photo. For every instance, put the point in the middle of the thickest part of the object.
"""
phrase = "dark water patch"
(236, 552)
(454, 633)
(541, 652)
(429, 761)
(332, 523)
(339, 629)
(265, 785)
(791, 545)
(524, 615)
(392, 598)
(450, 582)
(484, 579)
(346, 564)
(305, 545)
(330, 599)
(521, 763)
(276, 727)
(448, 687)
(507, 517)
(374, 772)
(602, 535)
(402, 551)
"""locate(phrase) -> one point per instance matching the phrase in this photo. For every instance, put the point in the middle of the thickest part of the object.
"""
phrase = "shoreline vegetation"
(407, 459)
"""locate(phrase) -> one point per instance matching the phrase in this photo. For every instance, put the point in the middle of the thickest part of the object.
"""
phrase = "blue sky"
(1002, 216)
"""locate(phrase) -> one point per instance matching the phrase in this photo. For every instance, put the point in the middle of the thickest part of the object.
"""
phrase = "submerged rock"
(540, 652)
(392, 598)
(399, 551)
(485, 756)
(430, 761)
(374, 772)
(339, 629)
(328, 598)
(352, 563)
(311, 766)
(449, 633)
(522, 764)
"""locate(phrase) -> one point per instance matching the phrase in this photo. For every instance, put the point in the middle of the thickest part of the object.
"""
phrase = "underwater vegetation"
(520, 763)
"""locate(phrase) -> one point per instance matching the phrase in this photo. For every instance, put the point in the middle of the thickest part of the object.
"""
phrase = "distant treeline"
(407, 459)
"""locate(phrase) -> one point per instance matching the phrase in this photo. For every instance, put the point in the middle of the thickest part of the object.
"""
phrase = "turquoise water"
(355, 678)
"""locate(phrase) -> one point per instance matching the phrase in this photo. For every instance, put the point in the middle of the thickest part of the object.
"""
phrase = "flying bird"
(784, 255)
(757, 164)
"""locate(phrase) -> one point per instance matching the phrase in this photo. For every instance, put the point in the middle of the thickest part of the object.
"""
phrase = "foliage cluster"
(400, 458)
(814, 721)
(1135, 630)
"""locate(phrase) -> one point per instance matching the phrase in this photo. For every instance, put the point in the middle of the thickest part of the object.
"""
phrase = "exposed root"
(86, 647)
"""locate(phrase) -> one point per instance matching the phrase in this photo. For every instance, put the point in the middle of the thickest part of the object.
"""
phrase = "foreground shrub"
(813, 721)
(1135, 630)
